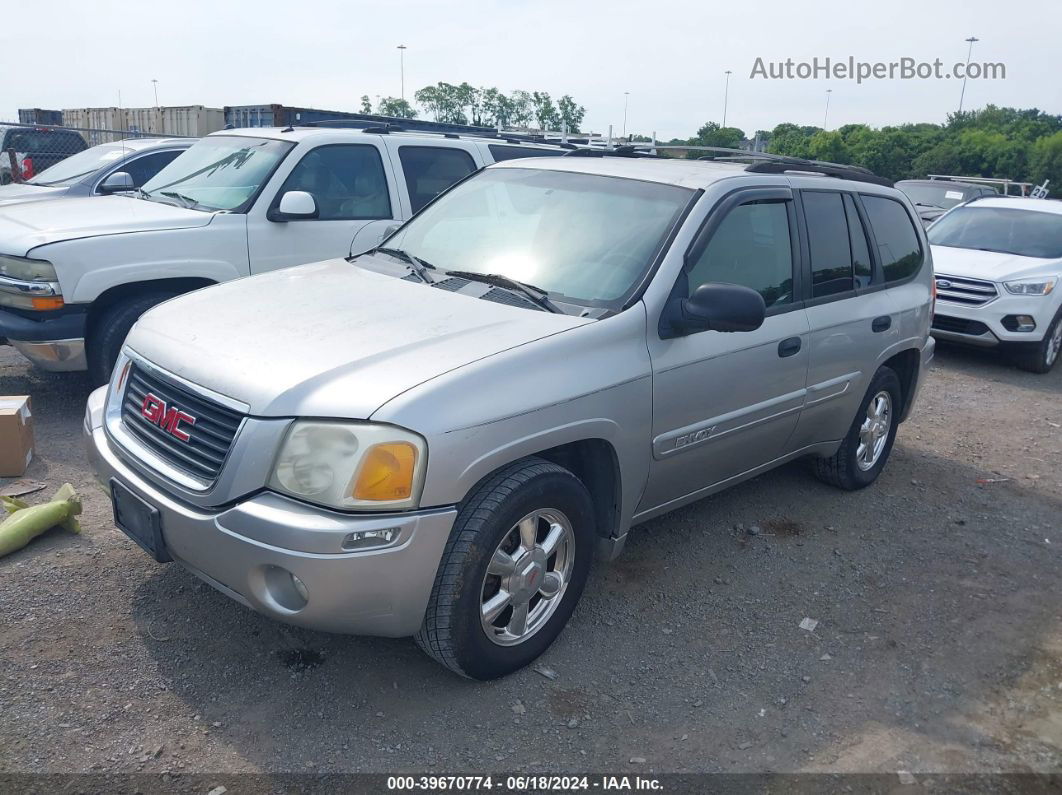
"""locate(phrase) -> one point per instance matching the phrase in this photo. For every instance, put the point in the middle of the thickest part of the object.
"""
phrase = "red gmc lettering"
(154, 411)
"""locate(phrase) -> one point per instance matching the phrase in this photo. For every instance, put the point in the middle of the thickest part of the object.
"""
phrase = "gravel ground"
(937, 595)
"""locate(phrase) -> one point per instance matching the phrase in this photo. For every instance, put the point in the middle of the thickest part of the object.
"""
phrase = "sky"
(671, 57)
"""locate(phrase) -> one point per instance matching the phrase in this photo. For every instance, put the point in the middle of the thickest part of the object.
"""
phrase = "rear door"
(353, 188)
(853, 318)
(726, 403)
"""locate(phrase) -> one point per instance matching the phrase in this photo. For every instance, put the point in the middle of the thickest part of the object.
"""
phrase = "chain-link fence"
(28, 149)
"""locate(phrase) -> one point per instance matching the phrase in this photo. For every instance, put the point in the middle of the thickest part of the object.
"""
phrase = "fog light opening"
(370, 539)
(1024, 323)
(285, 590)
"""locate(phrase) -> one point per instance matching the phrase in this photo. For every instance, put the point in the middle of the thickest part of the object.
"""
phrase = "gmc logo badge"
(154, 411)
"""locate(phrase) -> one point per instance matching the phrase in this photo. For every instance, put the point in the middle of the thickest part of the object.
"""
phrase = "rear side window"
(500, 152)
(828, 239)
(346, 180)
(752, 248)
(430, 170)
(898, 247)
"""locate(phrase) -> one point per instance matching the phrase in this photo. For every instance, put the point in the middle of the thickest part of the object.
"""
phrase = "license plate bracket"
(139, 520)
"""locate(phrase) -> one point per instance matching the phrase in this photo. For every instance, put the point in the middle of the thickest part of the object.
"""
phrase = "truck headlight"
(27, 270)
(33, 284)
(1039, 286)
(351, 466)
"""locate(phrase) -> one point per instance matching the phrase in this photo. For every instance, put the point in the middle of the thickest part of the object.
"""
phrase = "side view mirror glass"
(117, 182)
(294, 204)
(720, 307)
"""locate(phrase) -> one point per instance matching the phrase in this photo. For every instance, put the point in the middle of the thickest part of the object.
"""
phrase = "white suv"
(75, 275)
(998, 263)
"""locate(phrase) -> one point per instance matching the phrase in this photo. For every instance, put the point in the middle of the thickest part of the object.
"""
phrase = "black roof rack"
(767, 163)
(619, 151)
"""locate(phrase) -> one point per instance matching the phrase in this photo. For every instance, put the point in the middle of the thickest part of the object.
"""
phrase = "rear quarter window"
(898, 247)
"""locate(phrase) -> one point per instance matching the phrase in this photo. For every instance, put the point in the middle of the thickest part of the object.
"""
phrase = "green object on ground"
(26, 523)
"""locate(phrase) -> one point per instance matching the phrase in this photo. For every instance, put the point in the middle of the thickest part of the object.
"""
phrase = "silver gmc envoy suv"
(432, 438)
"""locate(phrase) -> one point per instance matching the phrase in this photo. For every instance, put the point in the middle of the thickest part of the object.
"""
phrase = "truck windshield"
(580, 237)
(217, 173)
(1027, 233)
(67, 172)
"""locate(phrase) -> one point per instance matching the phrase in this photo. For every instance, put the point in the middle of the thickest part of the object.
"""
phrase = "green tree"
(1046, 161)
(444, 101)
(545, 112)
(366, 105)
(399, 108)
(570, 113)
(828, 146)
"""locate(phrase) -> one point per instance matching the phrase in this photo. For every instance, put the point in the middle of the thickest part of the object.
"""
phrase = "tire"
(454, 631)
(110, 329)
(846, 468)
(1040, 357)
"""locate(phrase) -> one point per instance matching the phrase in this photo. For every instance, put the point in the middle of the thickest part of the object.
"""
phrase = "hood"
(989, 265)
(30, 224)
(329, 339)
(16, 193)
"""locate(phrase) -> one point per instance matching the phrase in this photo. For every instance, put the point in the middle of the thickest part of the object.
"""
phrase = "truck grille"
(968, 292)
(209, 434)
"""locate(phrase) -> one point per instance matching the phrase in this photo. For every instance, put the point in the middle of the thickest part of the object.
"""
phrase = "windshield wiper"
(417, 265)
(189, 202)
(537, 295)
(927, 204)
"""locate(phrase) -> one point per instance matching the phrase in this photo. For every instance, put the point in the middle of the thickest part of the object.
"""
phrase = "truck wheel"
(1040, 357)
(512, 571)
(864, 451)
(110, 329)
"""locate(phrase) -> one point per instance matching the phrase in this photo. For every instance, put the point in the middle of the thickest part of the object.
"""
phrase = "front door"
(352, 189)
(725, 403)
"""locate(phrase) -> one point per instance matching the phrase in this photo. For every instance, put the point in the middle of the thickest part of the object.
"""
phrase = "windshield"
(583, 238)
(217, 173)
(1027, 233)
(67, 172)
(943, 196)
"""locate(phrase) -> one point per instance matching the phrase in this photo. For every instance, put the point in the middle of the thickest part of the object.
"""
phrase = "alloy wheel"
(874, 432)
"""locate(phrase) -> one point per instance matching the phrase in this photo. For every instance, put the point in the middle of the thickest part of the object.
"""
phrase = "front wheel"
(515, 565)
(109, 330)
(1040, 357)
(864, 451)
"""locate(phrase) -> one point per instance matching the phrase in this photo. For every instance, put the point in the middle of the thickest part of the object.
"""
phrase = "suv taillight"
(27, 168)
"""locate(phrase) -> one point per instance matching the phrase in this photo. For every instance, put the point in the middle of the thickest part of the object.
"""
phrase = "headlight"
(36, 286)
(351, 466)
(1038, 286)
(27, 270)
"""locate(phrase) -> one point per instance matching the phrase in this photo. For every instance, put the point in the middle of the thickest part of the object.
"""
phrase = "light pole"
(826, 115)
(726, 95)
(402, 67)
(626, 96)
(969, 52)
(155, 86)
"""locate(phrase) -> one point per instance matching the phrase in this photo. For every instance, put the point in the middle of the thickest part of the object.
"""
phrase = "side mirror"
(717, 307)
(117, 182)
(294, 205)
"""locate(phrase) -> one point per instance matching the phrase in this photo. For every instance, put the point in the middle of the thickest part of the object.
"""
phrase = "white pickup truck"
(75, 275)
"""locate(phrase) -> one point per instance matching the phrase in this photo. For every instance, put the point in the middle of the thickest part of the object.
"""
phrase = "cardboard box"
(16, 435)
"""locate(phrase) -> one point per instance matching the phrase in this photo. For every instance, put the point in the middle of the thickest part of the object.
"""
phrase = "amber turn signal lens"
(386, 473)
(47, 302)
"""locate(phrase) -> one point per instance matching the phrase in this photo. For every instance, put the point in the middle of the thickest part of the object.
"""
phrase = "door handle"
(789, 346)
(883, 323)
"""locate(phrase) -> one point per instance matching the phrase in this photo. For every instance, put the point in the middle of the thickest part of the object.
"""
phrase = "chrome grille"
(210, 436)
(968, 292)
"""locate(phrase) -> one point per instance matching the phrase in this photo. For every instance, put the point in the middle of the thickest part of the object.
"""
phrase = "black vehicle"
(34, 149)
(933, 197)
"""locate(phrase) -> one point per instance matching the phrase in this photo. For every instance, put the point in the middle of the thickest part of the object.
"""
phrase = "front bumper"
(983, 325)
(247, 550)
(53, 341)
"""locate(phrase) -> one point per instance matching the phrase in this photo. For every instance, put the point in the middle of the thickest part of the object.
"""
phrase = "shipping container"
(93, 121)
(40, 116)
(191, 120)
